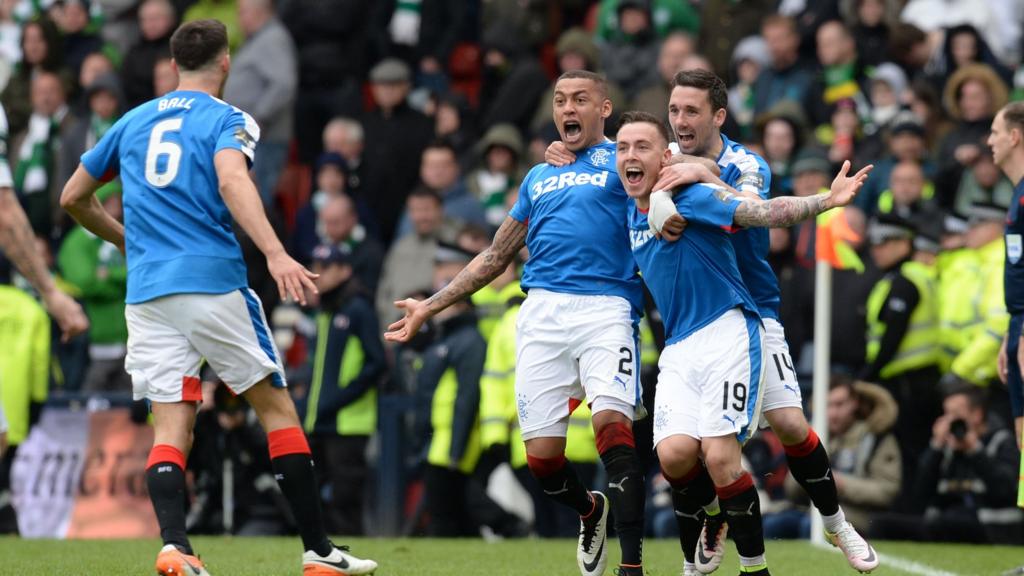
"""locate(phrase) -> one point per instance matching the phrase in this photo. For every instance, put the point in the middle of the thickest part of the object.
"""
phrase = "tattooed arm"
(786, 211)
(509, 239)
(19, 244)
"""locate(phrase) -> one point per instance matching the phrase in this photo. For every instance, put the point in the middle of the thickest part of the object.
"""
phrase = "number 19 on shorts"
(734, 393)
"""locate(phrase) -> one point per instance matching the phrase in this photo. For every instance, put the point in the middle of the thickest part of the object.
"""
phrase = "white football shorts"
(169, 337)
(571, 349)
(710, 382)
(781, 389)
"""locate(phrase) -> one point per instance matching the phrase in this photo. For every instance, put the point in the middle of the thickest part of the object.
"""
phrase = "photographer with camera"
(965, 485)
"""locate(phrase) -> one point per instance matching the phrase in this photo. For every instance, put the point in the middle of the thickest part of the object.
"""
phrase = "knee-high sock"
(810, 466)
(742, 511)
(625, 488)
(689, 496)
(559, 481)
(293, 468)
(165, 478)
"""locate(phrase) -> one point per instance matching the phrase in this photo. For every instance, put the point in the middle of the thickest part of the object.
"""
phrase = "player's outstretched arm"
(786, 211)
(243, 200)
(508, 241)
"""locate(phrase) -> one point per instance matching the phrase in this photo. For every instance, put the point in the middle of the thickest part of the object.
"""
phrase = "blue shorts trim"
(262, 334)
(756, 352)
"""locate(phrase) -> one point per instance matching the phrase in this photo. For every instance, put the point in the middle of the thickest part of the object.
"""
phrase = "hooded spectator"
(748, 60)
(972, 96)
(499, 171)
(157, 20)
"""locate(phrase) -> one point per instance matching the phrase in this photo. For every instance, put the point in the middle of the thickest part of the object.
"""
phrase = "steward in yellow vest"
(902, 327)
(448, 408)
(341, 406)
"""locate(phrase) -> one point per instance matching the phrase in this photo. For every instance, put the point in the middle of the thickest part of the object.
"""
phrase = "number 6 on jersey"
(157, 148)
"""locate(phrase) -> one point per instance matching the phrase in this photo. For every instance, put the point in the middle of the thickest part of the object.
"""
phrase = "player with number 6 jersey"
(184, 162)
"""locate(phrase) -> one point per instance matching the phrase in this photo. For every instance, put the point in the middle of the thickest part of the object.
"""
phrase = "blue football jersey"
(748, 172)
(178, 235)
(695, 279)
(577, 236)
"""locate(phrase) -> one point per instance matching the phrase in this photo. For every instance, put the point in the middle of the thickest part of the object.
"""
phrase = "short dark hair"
(780, 20)
(718, 94)
(424, 192)
(975, 395)
(598, 79)
(635, 116)
(1013, 115)
(838, 381)
(442, 144)
(197, 44)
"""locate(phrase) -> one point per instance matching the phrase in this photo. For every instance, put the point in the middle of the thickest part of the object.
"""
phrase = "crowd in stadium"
(394, 137)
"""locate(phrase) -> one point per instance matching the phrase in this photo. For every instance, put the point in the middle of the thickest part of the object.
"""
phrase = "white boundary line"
(902, 564)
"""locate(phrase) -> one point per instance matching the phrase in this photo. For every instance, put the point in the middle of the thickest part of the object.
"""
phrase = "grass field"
(422, 557)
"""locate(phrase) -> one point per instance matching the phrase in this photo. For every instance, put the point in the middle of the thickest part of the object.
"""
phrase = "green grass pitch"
(424, 557)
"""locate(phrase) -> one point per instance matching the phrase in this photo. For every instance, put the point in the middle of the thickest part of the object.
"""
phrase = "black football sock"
(626, 489)
(689, 496)
(810, 466)
(742, 511)
(165, 479)
(559, 481)
(293, 468)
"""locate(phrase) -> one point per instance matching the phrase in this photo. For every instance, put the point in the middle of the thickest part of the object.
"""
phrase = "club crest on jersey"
(566, 179)
(600, 156)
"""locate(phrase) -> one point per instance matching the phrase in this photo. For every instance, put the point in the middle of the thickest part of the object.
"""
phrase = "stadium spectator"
(673, 52)
(396, 136)
(331, 174)
(842, 78)
(782, 132)
(330, 38)
(965, 487)
(348, 364)
(95, 65)
(263, 82)
(630, 57)
(339, 222)
(422, 34)
(40, 45)
(344, 136)
(973, 95)
(905, 142)
(454, 122)
(667, 18)
(512, 79)
(35, 152)
(724, 23)
(902, 330)
(96, 271)
(164, 77)
(787, 78)
(104, 101)
(934, 16)
(79, 36)
(156, 23)
(959, 186)
(887, 89)
(871, 21)
(408, 267)
(25, 371)
(963, 45)
(749, 58)
(499, 171)
(908, 192)
(865, 457)
(439, 172)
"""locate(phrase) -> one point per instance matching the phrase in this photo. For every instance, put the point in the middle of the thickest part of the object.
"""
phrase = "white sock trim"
(834, 522)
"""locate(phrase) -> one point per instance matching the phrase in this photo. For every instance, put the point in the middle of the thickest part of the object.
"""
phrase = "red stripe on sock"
(191, 389)
(746, 482)
(287, 441)
(544, 467)
(161, 453)
(687, 478)
(804, 448)
(615, 434)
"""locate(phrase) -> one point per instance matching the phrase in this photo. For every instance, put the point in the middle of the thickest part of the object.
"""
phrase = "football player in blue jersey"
(697, 109)
(184, 162)
(577, 333)
(709, 393)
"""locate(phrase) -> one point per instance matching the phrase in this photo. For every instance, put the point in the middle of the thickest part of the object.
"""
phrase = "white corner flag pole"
(822, 370)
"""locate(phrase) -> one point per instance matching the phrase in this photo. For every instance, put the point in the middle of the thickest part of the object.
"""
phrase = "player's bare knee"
(545, 447)
(722, 457)
(789, 424)
(678, 454)
(606, 417)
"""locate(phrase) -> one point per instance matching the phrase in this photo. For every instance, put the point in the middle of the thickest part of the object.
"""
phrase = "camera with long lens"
(958, 428)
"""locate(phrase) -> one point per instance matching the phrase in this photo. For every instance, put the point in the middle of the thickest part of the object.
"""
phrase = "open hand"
(844, 188)
(416, 313)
